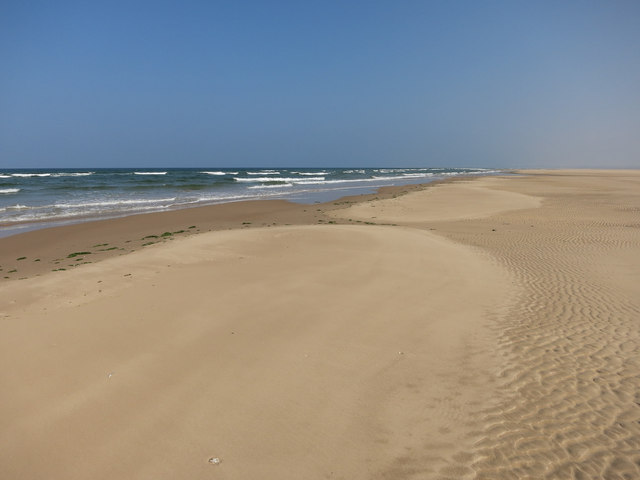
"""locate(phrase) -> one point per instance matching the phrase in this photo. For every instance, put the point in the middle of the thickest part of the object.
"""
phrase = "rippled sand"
(570, 396)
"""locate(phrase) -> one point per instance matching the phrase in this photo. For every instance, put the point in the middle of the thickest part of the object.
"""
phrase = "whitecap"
(72, 174)
(111, 203)
(280, 185)
(275, 179)
(30, 174)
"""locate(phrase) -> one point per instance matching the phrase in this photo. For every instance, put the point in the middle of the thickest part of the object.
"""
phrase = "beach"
(478, 328)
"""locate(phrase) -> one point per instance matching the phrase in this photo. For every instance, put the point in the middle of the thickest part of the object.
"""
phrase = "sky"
(320, 83)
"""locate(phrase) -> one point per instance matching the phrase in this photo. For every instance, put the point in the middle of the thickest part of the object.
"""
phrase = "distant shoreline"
(44, 198)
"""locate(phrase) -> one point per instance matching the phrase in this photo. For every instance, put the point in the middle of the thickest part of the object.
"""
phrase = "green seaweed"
(77, 254)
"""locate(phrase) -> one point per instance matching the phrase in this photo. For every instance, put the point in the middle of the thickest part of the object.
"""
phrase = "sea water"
(29, 197)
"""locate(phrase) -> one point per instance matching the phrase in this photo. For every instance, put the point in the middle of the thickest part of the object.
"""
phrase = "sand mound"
(294, 352)
(449, 201)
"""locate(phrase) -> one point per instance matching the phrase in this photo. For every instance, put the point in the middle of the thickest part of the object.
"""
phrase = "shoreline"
(48, 248)
(24, 227)
(67, 197)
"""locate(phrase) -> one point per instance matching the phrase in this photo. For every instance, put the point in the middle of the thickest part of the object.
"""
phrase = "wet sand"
(497, 340)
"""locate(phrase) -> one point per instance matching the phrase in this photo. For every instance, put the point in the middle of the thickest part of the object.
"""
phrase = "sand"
(448, 201)
(498, 340)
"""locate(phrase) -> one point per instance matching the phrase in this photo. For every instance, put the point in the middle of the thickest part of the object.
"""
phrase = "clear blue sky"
(326, 83)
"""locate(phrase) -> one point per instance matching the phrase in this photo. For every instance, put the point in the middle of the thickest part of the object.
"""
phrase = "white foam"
(9, 190)
(358, 180)
(264, 172)
(404, 176)
(416, 175)
(221, 173)
(311, 173)
(113, 203)
(72, 174)
(56, 174)
(280, 185)
(329, 182)
(30, 174)
(274, 179)
(38, 215)
(397, 170)
(149, 173)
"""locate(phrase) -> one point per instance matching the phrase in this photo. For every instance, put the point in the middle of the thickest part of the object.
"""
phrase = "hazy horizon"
(230, 85)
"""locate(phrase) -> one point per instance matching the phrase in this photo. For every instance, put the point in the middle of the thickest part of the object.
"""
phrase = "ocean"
(32, 198)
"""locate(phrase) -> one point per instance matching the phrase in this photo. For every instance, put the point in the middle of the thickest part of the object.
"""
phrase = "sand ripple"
(570, 401)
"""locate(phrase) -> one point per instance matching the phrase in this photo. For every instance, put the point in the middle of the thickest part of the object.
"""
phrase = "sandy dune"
(449, 201)
(294, 352)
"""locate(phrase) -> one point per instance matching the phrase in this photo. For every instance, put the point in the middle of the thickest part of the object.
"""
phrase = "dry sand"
(500, 340)
(444, 201)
